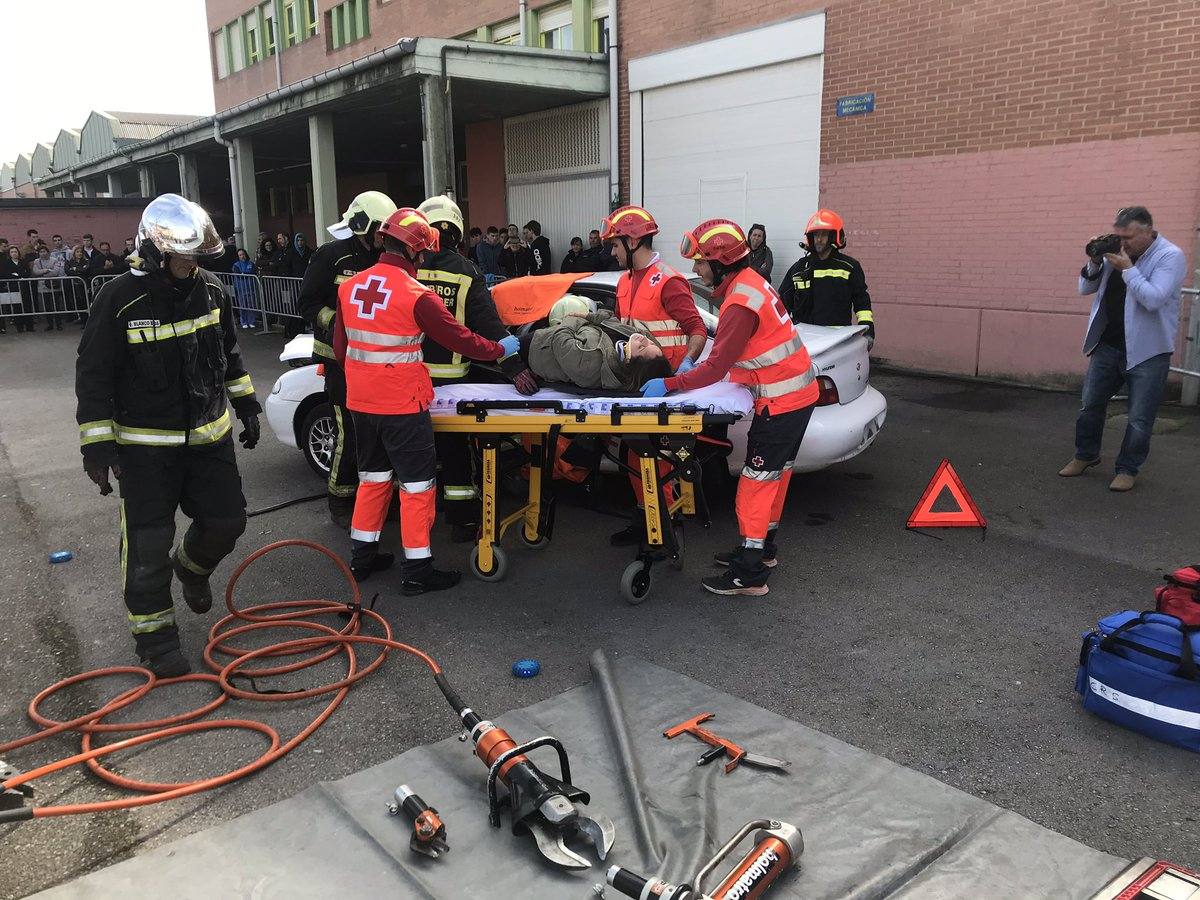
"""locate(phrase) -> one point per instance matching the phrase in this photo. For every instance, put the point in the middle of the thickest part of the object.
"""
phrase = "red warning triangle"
(967, 515)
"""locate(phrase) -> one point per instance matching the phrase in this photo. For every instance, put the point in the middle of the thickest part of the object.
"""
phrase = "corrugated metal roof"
(142, 126)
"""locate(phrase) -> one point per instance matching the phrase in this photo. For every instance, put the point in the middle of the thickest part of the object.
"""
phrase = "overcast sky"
(63, 58)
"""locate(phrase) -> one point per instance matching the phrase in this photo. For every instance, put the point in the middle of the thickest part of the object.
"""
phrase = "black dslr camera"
(1105, 243)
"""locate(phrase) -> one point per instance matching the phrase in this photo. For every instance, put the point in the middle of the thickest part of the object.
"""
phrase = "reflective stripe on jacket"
(647, 311)
(385, 371)
(775, 364)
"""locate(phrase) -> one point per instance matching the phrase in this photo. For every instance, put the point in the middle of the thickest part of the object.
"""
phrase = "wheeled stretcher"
(660, 430)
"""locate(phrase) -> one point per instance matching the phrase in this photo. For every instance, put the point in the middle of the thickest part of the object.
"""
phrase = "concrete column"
(114, 185)
(437, 143)
(247, 191)
(189, 177)
(324, 172)
(87, 188)
(145, 181)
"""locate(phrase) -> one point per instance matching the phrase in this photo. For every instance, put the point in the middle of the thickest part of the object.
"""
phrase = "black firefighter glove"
(251, 431)
(519, 374)
(870, 335)
(97, 469)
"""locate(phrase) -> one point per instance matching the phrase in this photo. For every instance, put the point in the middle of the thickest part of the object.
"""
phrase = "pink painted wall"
(485, 175)
(972, 259)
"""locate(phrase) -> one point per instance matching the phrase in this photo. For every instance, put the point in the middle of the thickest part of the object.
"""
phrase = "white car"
(845, 422)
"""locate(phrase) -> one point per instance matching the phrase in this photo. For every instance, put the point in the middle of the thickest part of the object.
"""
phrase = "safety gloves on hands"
(686, 365)
(98, 472)
(251, 430)
(511, 345)
(655, 387)
(525, 382)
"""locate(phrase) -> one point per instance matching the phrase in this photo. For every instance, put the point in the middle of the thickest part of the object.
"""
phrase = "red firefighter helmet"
(410, 227)
(826, 220)
(631, 222)
(717, 240)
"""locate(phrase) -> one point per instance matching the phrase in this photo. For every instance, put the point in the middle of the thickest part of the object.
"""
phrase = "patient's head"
(643, 360)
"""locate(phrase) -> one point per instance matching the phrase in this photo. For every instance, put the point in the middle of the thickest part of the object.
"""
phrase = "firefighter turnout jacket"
(156, 362)
(459, 284)
(332, 265)
(829, 291)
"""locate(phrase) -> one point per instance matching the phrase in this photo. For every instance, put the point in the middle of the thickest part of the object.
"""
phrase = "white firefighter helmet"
(367, 209)
(174, 224)
(570, 305)
(443, 209)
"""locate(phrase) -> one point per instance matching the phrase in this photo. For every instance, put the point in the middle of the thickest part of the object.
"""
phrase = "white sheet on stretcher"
(721, 398)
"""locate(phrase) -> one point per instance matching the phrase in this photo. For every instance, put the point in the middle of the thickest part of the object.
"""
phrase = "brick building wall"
(389, 21)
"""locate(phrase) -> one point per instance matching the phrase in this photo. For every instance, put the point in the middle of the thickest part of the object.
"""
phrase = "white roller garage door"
(743, 144)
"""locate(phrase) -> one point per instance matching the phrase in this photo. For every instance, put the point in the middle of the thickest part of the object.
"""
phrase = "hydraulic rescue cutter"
(551, 809)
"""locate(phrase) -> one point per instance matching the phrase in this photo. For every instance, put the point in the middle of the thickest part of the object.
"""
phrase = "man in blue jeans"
(1130, 338)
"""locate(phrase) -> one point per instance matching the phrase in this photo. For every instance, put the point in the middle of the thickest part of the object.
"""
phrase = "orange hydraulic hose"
(287, 614)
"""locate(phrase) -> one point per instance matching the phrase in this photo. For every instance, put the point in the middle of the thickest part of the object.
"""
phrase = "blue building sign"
(855, 105)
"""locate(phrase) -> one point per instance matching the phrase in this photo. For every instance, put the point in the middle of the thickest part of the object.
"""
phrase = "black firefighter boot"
(159, 652)
(197, 592)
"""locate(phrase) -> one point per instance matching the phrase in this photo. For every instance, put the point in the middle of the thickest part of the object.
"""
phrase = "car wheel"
(318, 437)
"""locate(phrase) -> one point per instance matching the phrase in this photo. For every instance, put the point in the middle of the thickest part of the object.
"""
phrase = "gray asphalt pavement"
(941, 651)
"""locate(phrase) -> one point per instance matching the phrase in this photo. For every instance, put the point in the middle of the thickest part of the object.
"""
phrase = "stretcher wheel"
(635, 582)
(499, 564)
(541, 541)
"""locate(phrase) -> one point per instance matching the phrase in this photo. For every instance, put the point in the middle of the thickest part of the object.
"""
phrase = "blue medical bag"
(1139, 670)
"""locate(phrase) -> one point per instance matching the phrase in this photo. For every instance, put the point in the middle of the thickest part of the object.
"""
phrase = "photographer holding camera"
(1136, 274)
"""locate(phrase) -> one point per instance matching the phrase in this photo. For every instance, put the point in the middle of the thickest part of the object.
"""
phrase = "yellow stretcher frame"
(642, 429)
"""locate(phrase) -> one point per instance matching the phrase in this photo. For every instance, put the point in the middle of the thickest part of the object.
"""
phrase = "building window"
(253, 44)
(507, 32)
(309, 8)
(291, 25)
(236, 43)
(220, 53)
(266, 16)
(347, 22)
(598, 40)
(555, 28)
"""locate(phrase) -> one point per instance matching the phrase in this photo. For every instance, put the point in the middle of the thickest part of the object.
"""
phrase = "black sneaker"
(197, 593)
(727, 557)
(464, 532)
(730, 582)
(632, 535)
(364, 570)
(168, 664)
(429, 580)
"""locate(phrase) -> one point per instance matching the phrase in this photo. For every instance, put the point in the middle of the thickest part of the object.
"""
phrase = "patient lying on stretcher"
(593, 350)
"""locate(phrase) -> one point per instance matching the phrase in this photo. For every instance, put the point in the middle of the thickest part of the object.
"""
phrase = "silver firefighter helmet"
(174, 224)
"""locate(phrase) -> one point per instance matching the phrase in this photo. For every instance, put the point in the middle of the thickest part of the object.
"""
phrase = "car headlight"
(278, 386)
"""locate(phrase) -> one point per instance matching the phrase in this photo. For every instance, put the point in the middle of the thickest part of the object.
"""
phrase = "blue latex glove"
(686, 366)
(511, 345)
(655, 387)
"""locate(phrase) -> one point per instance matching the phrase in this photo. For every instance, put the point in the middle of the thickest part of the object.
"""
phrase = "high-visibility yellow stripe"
(831, 273)
(124, 546)
(426, 276)
(447, 370)
(240, 387)
(153, 622)
(95, 432)
(865, 316)
(320, 348)
(187, 562)
(209, 433)
(722, 229)
(325, 316)
(172, 329)
(459, 492)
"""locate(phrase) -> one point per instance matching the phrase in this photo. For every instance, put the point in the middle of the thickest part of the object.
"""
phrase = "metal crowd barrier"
(281, 296)
(99, 281)
(55, 299)
(1190, 370)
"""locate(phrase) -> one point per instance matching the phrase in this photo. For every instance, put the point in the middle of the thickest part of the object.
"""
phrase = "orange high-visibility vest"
(646, 310)
(385, 370)
(775, 365)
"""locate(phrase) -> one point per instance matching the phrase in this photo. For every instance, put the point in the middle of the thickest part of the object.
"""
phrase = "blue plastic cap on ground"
(526, 668)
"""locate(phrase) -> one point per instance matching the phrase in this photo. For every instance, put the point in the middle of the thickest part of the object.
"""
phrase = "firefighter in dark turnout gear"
(460, 285)
(355, 247)
(827, 287)
(156, 362)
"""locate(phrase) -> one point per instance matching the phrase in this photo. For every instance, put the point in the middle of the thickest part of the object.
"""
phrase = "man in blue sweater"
(1130, 338)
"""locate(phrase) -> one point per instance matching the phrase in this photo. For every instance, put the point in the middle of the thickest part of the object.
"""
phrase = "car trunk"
(840, 354)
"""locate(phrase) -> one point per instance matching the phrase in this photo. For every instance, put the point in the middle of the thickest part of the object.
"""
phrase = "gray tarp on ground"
(871, 828)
